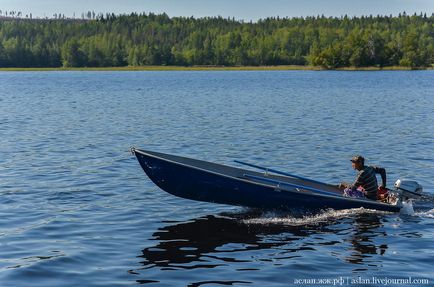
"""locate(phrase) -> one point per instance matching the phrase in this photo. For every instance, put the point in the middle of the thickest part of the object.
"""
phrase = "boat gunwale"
(343, 198)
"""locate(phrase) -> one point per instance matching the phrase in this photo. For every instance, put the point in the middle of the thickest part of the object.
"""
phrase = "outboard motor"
(408, 189)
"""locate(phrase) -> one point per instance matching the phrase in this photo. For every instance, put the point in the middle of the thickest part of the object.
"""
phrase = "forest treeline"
(150, 39)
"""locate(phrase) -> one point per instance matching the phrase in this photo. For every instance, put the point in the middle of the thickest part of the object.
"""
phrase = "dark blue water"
(76, 209)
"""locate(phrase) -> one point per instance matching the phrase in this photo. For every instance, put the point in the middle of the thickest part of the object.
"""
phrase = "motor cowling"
(408, 189)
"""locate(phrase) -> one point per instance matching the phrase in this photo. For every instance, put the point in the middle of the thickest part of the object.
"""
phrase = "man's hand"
(343, 185)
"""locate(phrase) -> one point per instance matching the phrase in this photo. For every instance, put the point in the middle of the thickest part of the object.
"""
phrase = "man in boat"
(366, 181)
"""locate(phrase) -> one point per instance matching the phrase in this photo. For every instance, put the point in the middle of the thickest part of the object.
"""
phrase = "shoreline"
(218, 68)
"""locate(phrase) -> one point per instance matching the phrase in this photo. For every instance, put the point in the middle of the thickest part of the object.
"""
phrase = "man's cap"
(357, 158)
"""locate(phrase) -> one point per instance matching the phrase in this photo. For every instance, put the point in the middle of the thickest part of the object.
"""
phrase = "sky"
(240, 9)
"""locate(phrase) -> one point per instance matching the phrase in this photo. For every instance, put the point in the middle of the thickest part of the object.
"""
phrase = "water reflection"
(366, 228)
(226, 240)
(206, 237)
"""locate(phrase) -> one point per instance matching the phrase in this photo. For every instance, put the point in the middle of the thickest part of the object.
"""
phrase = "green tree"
(3, 57)
(72, 55)
(150, 39)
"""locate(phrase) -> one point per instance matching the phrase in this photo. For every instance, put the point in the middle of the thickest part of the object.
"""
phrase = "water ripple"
(77, 210)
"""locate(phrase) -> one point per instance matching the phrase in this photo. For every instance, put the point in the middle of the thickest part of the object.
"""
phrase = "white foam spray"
(328, 215)
(426, 214)
(407, 208)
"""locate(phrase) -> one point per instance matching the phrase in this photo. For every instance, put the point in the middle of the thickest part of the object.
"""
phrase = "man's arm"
(382, 172)
(358, 182)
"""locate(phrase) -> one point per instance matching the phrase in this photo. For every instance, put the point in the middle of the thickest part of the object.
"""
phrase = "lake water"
(76, 209)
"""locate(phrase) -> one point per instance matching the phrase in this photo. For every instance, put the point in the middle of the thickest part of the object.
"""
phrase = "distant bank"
(150, 40)
(215, 68)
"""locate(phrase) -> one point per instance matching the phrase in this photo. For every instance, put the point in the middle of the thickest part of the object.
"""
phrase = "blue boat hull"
(210, 182)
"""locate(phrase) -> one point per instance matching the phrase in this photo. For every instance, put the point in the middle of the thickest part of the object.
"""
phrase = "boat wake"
(323, 217)
(424, 207)
(407, 208)
(281, 218)
(330, 215)
(426, 214)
